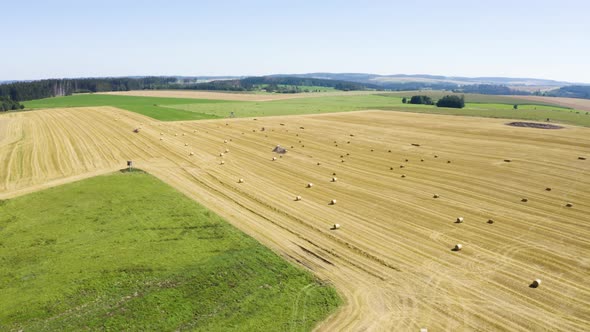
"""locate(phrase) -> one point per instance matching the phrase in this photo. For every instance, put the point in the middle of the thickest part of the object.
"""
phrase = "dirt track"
(392, 258)
(231, 96)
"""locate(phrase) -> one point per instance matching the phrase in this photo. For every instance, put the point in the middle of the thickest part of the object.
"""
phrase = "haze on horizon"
(532, 39)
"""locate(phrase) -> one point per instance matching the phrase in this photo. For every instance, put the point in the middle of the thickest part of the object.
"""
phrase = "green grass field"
(194, 109)
(320, 105)
(125, 252)
(149, 106)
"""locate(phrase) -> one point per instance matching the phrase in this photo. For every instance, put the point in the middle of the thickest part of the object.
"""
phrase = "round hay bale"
(334, 179)
(507, 160)
(403, 175)
(309, 185)
(548, 189)
(221, 154)
(458, 247)
(161, 139)
(175, 134)
(372, 150)
(401, 166)
(274, 158)
(569, 204)
(224, 141)
(435, 156)
(185, 144)
(342, 160)
(241, 181)
(334, 173)
(407, 160)
(459, 220)
(333, 202)
(161, 134)
(391, 168)
(422, 160)
(435, 196)
(191, 154)
(336, 226)
(226, 150)
(536, 283)
(524, 200)
(297, 198)
(490, 221)
(183, 134)
(448, 161)
(389, 151)
(222, 162)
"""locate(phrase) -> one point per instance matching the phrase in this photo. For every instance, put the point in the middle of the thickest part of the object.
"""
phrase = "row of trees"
(7, 104)
(452, 101)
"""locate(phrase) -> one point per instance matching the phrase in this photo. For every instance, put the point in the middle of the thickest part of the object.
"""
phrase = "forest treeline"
(23, 91)
(275, 84)
(490, 89)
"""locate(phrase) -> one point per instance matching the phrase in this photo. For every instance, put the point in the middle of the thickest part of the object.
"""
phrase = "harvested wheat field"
(231, 96)
(575, 103)
(392, 256)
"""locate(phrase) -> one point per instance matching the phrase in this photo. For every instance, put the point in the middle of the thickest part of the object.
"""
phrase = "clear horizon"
(515, 39)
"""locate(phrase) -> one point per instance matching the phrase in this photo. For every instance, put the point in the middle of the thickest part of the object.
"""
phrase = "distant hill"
(437, 81)
(573, 91)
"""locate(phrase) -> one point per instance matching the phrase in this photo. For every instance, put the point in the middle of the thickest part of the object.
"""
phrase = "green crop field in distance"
(126, 252)
(170, 109)
(149, 106)
(319, 105)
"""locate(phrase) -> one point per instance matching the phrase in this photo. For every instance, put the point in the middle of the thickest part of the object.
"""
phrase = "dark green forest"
(23, 91)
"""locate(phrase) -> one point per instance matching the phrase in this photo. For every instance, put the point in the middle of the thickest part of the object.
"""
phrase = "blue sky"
(540, 39)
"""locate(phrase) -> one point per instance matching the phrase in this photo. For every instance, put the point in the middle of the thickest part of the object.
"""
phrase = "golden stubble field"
(391, 259)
